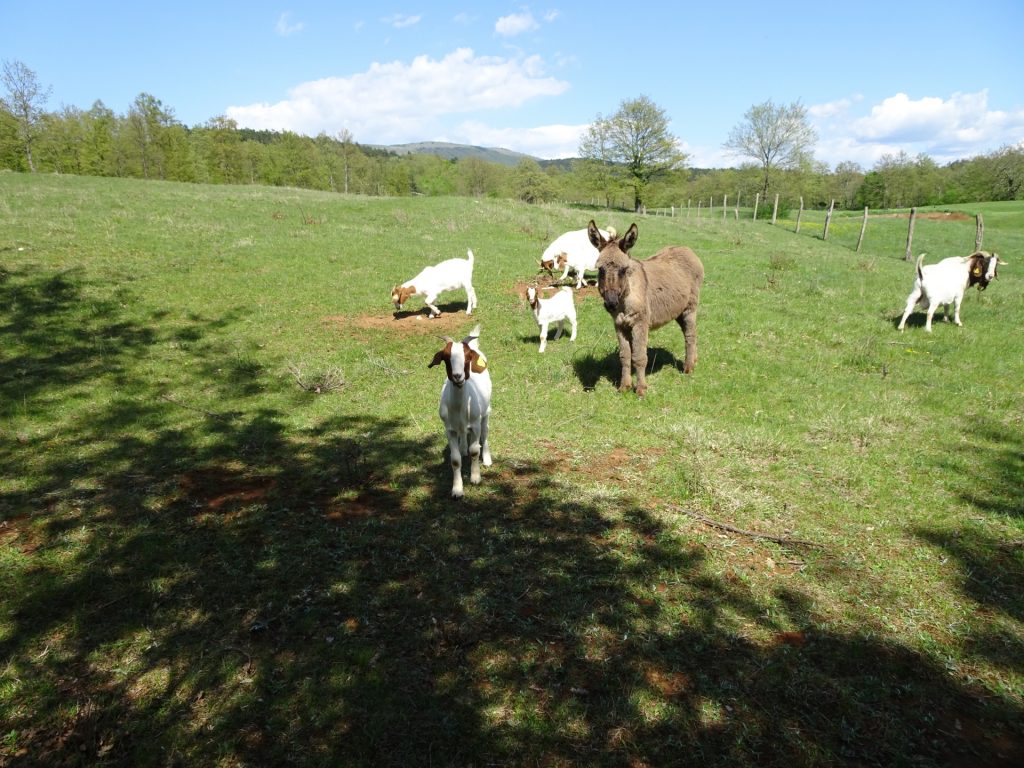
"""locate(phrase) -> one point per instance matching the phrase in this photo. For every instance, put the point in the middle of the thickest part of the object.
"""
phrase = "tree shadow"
(227, 588)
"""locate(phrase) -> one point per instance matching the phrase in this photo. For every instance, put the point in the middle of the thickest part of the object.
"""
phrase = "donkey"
(644, 295)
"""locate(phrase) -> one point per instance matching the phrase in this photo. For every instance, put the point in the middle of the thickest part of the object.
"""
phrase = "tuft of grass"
(805, 553)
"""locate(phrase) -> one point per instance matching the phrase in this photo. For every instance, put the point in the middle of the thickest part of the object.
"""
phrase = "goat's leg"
(559, 329)
(932, 306)
(912, 299)
(688, 322)
(543, 336)
(429, 301)
(956, 310)
(470, 300)
(485, 441)
(455, 457)
(640, 358)
(474, 459)
(572, 336)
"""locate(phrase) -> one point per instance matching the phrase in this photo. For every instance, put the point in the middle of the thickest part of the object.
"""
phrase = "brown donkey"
(644, 295)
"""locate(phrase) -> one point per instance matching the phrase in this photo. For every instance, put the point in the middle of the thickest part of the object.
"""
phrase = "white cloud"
(403, 101)
(548, 142)
(515, 24)
(285, 27)
(401, 20)
(945, 129)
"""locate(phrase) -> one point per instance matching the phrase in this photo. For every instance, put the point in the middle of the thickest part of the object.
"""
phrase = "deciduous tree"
(25, 100)
(774, 136)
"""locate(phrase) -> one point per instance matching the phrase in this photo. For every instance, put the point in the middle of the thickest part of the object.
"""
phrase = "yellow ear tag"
(976, 271)
(480, 364)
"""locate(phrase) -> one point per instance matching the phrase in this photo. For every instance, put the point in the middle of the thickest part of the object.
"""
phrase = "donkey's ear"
(628, 240)
(596, 238)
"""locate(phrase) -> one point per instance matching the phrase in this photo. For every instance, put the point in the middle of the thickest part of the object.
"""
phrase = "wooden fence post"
(980, 232)
(687, 207)
(910, 235)
(828, 219)
(700, 204)
(863, 226)
(757, 201)
(725, 206)
(800, 214)
(775, 209)
(711, 205)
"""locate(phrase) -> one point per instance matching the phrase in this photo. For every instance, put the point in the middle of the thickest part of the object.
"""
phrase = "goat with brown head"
(465, 406)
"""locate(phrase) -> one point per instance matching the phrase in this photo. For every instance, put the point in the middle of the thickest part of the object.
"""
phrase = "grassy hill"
(225, 537)
(457, 151)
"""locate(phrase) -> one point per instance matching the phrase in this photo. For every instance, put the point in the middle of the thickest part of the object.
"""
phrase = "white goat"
(946, 281)
(573, 251)
(465, 406)
(447, 276)
(556, 309)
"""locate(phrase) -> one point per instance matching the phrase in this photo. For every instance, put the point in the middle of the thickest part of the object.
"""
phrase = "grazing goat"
(573, 251)
(556, 309)
(465, 406)
(946, 281)
(645, 295)
(447, 276)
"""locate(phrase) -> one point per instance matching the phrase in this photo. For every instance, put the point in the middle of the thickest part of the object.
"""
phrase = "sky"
(876, 78)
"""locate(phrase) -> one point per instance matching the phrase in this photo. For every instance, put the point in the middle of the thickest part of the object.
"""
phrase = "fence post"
(828, 219)
(800, 214)
(738, 194)
(725, 206)
(757, 201)
(910, 235)
(700, 204)
(687, 207)
(980, 232)
(863, 226)
(775, 209)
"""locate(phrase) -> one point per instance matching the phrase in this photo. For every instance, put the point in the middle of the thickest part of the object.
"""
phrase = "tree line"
(626, 160)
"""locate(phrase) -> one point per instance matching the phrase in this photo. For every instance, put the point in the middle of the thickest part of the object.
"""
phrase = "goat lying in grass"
(572, 251)
(465, 406)
(945, 283)
(644, 295)
(447, 276)
(556, 309)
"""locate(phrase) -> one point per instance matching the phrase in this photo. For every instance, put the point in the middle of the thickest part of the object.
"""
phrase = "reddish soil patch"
(15, 532)
(404, 323)
(219, 490)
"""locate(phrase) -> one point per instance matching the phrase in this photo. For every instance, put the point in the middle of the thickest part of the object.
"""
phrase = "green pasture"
(226, 537)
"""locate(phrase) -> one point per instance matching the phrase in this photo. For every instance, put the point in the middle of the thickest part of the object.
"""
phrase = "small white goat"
(573, 251)
(447, 276)
(946, 281)
(556, 309)
(465, 406)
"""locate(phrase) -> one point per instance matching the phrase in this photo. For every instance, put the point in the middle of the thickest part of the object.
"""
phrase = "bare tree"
(25, 101)
(775, 136)
(634, 144)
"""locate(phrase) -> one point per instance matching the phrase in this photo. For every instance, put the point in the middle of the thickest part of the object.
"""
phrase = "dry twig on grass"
(783, 540)
(326, 381)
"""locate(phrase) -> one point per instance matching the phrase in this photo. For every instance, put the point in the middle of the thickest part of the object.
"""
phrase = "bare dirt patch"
(403, 323)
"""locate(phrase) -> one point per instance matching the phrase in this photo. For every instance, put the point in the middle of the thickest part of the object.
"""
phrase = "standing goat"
(645, 295)
(446, 276)
(465, 406)
(556, 309)
(572, 251)
(946, 281)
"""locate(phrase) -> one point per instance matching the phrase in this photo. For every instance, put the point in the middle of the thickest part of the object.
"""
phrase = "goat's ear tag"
(976, 271)
(479, 364)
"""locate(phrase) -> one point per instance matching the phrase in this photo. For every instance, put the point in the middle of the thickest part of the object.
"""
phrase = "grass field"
(225, 537)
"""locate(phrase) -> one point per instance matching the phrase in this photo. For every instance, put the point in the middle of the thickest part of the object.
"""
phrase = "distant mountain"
(459, 152)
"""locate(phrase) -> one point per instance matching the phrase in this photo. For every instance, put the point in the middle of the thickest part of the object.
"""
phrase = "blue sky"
(876, 78)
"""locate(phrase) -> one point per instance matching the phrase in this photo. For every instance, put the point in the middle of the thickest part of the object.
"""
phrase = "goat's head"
(532, 297)
(982, 269)
(460, 360)
(401, 293)
(614, 264)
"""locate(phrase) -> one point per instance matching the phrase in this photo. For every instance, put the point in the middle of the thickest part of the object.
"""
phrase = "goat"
(447, 276)
(644, 295)
(946, 281)
(465, 406)
(572, 251)
(556, 309)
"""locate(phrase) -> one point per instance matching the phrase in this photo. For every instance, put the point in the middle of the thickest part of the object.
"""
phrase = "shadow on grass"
(591, 369)
(220, 588)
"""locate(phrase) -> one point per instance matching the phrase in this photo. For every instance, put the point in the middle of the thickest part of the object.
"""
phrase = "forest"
(149, 142)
